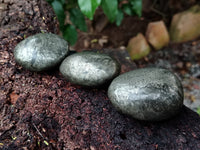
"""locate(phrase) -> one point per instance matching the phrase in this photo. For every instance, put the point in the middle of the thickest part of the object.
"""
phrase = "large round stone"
(150, 94)
(89, 68)
(40, 52)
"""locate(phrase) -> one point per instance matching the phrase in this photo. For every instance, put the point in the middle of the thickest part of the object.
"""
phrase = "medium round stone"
(150, 94)
(89, 68)
(40, 52)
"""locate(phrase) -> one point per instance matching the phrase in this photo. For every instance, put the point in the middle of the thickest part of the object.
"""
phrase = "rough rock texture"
(138, 47)
(41, 52)
(89, 69)
(157, 34)
(19, 19)
(151, 94)
(185, 25)
(38, 107)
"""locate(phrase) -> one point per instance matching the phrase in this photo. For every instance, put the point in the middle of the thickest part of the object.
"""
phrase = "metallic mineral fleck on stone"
(151, 94)
(40, 52)
(89, 68)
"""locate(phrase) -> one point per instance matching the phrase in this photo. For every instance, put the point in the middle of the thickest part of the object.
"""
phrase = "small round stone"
(150, 94)
(89, 69)
(40, 52)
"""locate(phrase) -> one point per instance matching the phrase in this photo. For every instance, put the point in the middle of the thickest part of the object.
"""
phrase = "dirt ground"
(44, 111)
(183, 58)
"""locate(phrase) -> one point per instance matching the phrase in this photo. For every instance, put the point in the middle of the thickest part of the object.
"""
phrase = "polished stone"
(40, 52)
(89, 69)
(150, 94)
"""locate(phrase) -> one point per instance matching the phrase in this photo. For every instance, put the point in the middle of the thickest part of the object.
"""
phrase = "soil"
(44, 111)
(182, 59)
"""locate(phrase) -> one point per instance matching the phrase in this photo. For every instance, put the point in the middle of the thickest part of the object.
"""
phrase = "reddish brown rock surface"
(138, 47)
(157, 34)
(185, 25)
(39, 108)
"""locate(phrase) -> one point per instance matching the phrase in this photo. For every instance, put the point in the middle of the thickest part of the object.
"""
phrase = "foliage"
(76, 10)
(198, 110)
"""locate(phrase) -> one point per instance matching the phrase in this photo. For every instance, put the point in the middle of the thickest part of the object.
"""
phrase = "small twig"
(154, 3)
(155, 10)
(158, 12)
(38, 130)
(45, 139)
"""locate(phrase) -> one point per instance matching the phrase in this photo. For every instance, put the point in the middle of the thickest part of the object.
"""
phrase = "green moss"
(198, 110)
(195, 9)
(141, 54)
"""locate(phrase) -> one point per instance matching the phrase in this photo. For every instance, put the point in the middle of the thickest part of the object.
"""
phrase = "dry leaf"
(13, 98)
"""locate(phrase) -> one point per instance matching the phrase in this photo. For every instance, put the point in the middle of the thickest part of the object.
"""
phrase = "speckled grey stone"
(89, 69)
(40, 52)
(150, 94)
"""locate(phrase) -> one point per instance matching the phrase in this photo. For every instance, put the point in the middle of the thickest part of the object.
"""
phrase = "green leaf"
(70, 34)
(77, 18)
(198, 110)
(63, 1)
(59, 11)
(137, 6)
(45, 142)
(127, 8)
(119, 17)
(88, 7)
(49, 1)
(110, 8)
(69, 4)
